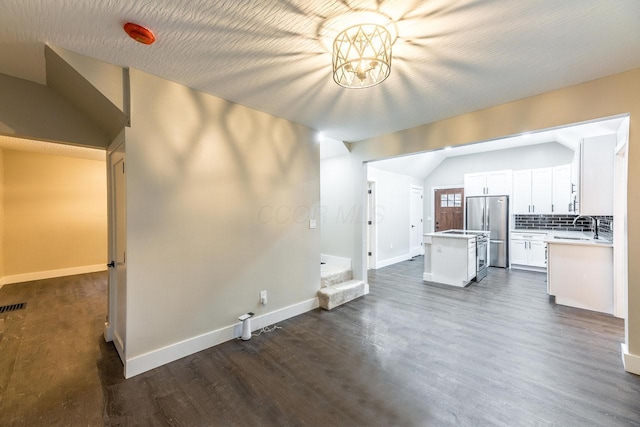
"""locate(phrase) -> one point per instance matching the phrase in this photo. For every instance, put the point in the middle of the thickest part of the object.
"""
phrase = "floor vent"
(12, 307)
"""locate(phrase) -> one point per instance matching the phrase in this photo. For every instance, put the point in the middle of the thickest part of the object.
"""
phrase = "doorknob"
(111, 264)
(413, 226)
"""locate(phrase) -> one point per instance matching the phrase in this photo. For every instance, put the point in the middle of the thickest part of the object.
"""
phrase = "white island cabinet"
(449, 258)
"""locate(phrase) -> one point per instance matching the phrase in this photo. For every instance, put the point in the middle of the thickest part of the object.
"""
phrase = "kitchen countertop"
(551, 237)
(456, 236)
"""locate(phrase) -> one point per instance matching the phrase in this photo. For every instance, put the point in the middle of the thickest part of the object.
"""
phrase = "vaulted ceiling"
(450, 57)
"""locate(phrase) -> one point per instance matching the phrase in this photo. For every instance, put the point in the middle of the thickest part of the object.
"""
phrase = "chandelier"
(362, 56)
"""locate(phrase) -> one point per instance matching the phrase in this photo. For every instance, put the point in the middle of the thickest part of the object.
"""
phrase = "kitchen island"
(450, 257)
(580, 271)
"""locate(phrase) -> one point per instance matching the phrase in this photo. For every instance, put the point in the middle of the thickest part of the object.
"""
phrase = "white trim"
(390, 261)
(631, 362)
(336, 260)
(528, 268)
(153, 359)
(371, 238)
(50, 274)
(366, 289)
(420, 189)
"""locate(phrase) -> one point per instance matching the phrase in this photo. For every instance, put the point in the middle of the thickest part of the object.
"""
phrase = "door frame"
(421, 190)
(117, 146)
(620, 233)
(433, 204)
(372, 230)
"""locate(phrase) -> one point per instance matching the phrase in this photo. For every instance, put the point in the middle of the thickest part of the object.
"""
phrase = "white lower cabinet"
(528, 250)
(538, 253)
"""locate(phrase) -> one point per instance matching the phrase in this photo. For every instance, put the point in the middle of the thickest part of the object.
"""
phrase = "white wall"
(218, 202)
(337, 211)
(451, 171)
(393, 222)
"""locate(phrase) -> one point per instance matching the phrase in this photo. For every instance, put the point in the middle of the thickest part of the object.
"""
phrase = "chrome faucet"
(594, 222)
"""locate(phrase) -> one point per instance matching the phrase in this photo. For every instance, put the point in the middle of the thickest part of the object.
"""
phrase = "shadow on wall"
(223, 195)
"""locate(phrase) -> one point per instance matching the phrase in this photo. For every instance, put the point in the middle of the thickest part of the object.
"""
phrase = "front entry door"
(449, 209)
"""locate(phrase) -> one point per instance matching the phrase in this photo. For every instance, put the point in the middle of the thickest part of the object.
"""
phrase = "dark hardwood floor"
(409, 353)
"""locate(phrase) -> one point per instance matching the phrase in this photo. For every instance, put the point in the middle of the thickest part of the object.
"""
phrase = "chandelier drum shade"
(362, 56)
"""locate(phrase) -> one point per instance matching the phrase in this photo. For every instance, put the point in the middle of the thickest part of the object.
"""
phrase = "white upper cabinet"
(532, 191)
(575, 180)
(522, 191)
(561, 190)
(541, 190)
(499, 183)
(496, 183)
(597, 163)
(475, 184)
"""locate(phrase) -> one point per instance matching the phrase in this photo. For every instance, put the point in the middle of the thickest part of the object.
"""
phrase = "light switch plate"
(312, 223)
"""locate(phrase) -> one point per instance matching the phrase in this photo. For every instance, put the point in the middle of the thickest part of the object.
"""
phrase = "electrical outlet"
(263, 297)
(391, 245)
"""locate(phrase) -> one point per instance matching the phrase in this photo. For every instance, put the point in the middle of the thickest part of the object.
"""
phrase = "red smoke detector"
(139, 33)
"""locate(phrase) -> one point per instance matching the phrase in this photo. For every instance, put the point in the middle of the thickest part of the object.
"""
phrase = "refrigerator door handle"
(487, 224)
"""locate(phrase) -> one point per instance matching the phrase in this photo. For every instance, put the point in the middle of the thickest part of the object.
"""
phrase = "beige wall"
(218, 197)
(1, 216)
(609, 96)
(55, 212)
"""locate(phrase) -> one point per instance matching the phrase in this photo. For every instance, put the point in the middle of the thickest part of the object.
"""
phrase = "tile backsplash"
(564, 222)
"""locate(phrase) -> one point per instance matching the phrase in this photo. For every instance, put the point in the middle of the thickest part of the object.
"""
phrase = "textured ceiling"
(450, 57)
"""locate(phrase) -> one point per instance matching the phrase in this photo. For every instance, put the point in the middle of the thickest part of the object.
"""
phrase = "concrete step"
(335, 295)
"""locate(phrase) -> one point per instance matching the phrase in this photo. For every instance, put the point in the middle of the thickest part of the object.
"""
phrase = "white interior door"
(417, 207)
(118, 276)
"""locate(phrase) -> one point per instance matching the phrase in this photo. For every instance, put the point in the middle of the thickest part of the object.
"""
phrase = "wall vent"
(12, 307)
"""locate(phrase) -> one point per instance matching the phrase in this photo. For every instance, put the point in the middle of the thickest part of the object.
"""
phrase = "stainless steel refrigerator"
(491, 213)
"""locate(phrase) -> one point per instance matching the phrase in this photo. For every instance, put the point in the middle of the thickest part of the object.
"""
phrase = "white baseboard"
(366, 289)
(50, 274)
(631, 362)
(153, 359)
(390, 261)
(336, 260)
(427, 277)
